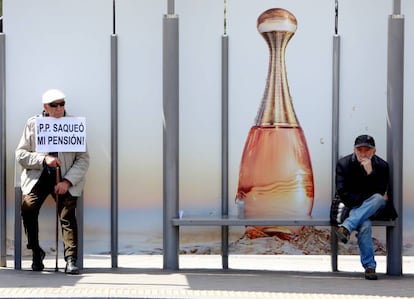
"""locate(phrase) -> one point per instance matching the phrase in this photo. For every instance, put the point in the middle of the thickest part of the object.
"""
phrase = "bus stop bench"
(227, 221)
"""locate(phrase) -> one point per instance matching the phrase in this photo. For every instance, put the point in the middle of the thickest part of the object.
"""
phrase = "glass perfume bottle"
(276, 179)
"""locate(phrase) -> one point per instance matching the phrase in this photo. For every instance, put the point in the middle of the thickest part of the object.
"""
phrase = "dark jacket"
(353, 185)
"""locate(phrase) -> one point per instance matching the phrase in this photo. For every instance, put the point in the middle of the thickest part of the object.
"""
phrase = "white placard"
(64, 134)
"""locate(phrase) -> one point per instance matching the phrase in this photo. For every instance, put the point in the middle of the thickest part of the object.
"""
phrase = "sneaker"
(343, 234)
(38, 256)
(71, 267)
(370, 274)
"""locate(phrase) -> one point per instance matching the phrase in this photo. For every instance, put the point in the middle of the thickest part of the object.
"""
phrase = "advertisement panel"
(75, 56)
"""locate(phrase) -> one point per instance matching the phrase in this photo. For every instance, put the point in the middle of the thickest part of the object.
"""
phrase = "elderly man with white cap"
(38, 181)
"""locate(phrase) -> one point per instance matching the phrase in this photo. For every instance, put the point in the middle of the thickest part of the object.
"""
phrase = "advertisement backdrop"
(66, 44)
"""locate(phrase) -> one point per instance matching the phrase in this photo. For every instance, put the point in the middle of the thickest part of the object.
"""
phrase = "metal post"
(170, 8)
(57, 222)
(336, 46)
(114, 151)
(17, 218)
(17, 228)
(396, 7)
(225, 147)
(335, 135)
(3, 230)
(79, 217)
(114, 141)
(170, 140)
(395, 103)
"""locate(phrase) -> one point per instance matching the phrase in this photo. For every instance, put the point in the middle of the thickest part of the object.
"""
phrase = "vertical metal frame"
(170, 138)
(335, 135)
(17, 218)
(225, 147)
(114, 145)
(336, 58)
(3, 229)
(395, 129)
(80, 220)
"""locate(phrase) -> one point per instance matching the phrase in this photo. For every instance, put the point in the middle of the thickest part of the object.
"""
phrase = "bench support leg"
(334, 250)
(225, 247)
(80, 218)
(394, 251)
(17, 229)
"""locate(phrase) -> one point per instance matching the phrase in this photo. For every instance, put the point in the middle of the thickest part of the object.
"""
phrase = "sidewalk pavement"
(201, 276)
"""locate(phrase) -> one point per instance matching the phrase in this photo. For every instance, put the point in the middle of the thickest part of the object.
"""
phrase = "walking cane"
(57, 221)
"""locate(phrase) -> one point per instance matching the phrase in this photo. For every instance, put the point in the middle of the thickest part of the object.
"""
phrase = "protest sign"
(64, 134)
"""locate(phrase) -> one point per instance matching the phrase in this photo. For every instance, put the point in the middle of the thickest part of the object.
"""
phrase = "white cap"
(52, 95)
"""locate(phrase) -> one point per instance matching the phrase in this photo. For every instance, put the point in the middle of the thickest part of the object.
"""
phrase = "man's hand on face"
(364, 155)
(366, 163)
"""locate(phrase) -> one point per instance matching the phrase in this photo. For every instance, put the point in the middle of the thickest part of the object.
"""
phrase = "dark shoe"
(38, 256)
(71, 267)
(343, 234)
(370, 274)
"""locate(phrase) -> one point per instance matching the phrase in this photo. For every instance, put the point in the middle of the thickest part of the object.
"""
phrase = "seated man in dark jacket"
(361, 184)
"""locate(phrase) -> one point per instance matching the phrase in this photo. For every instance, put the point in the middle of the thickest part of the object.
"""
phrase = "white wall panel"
(62, 44)
(363, 27)
(139, 31)
(201, 27)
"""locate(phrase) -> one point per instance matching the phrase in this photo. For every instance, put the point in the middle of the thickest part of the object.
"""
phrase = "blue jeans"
(359, 220)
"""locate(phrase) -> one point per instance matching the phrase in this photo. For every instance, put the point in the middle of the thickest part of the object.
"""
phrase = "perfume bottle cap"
(276, 19)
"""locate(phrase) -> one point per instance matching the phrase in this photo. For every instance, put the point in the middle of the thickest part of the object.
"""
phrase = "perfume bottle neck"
(276, 108)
